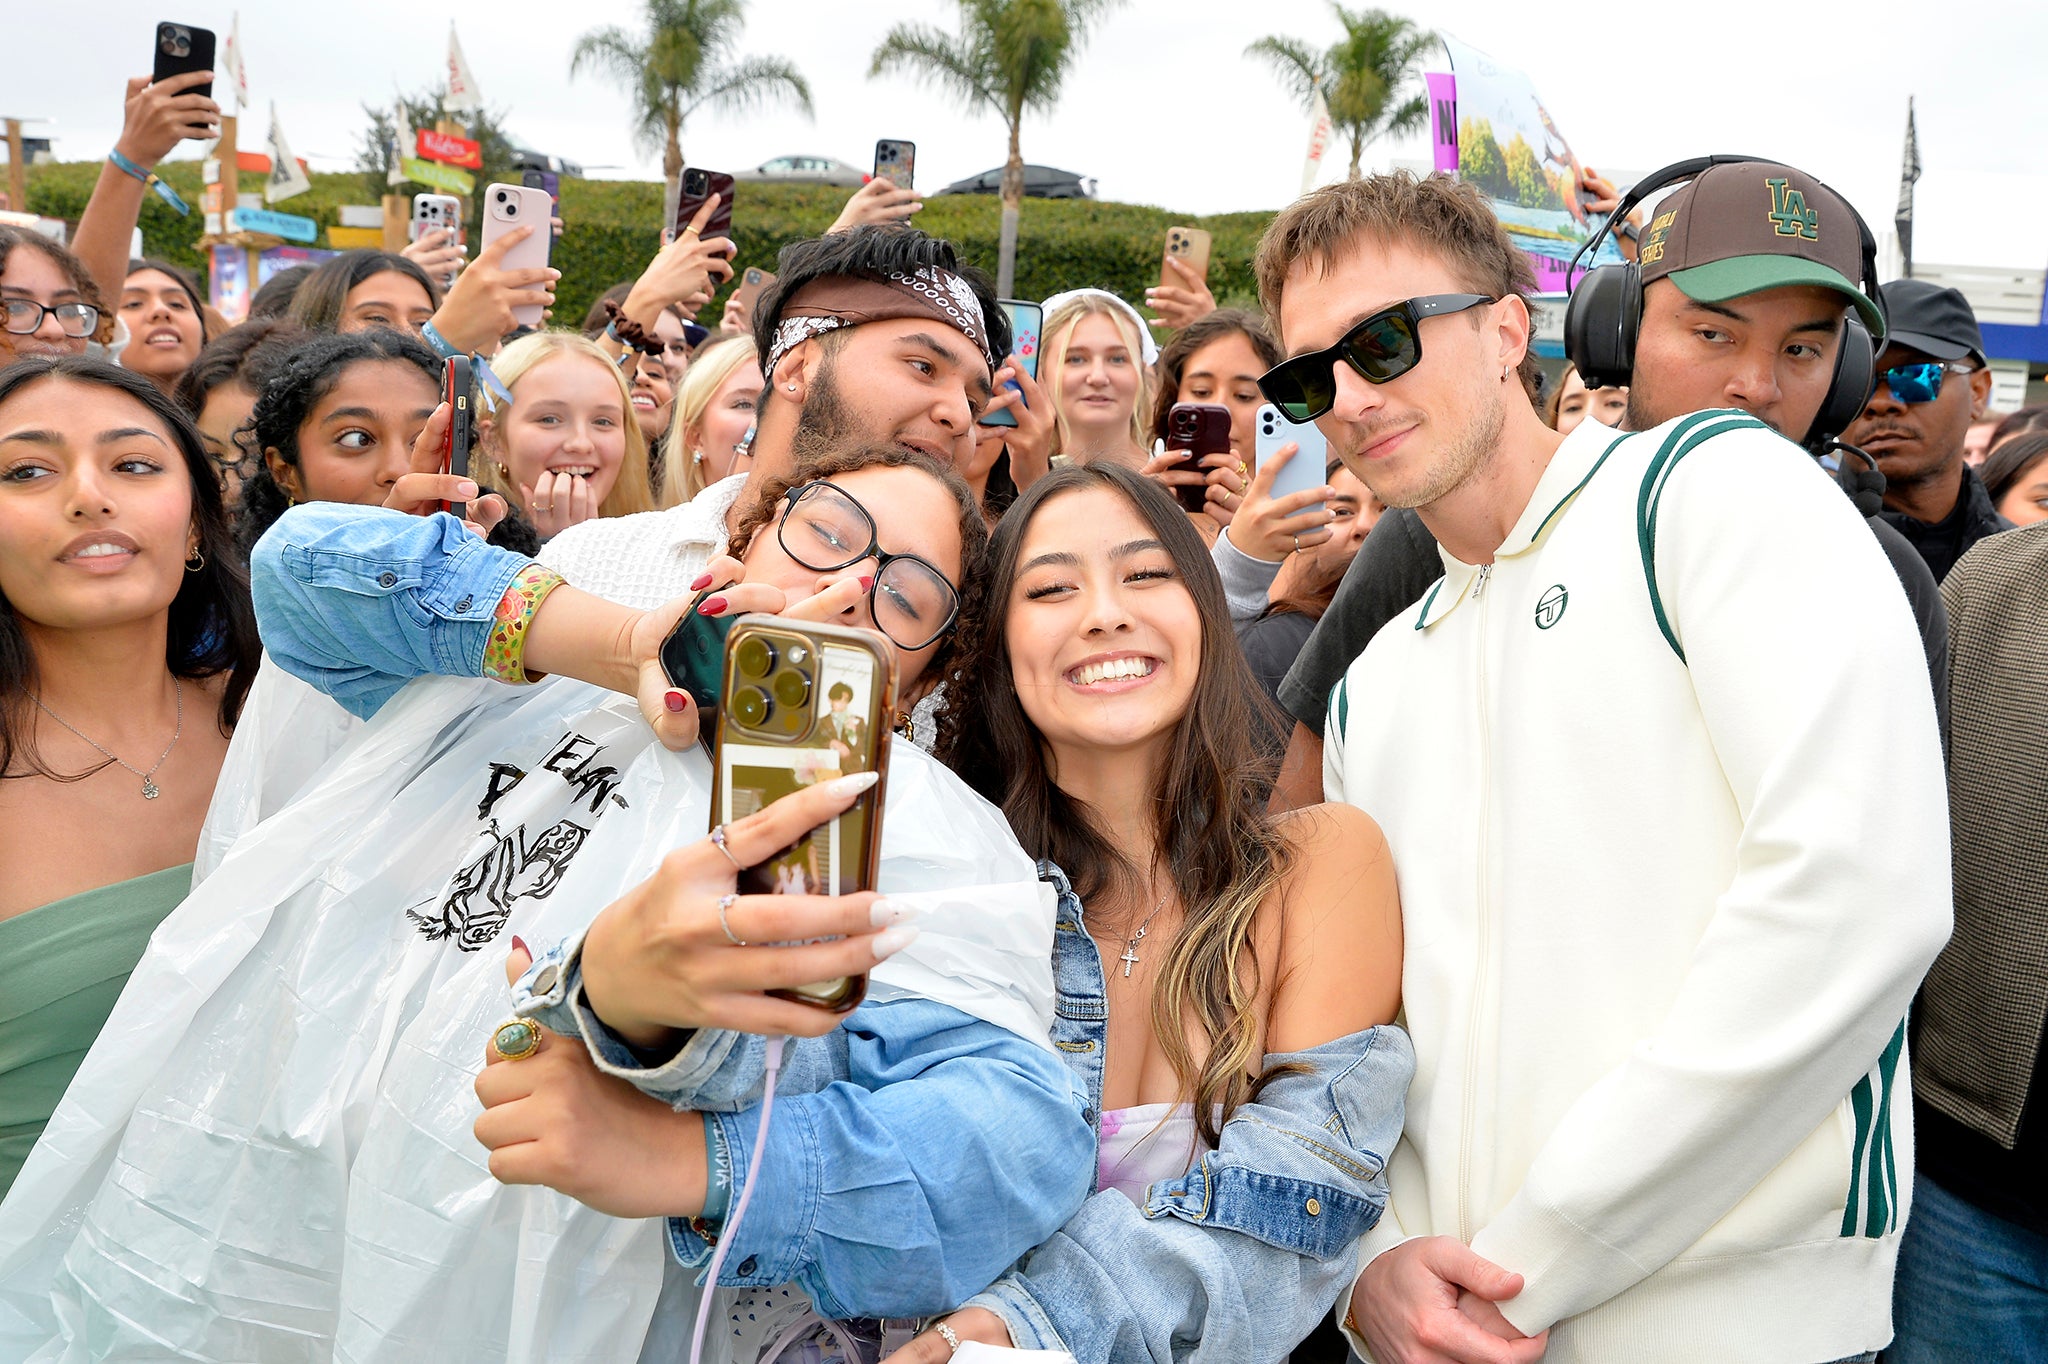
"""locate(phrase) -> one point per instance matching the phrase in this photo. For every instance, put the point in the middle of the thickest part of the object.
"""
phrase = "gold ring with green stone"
(516, 1040)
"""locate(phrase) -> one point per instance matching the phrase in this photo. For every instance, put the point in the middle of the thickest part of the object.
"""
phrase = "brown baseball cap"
(1744, 227)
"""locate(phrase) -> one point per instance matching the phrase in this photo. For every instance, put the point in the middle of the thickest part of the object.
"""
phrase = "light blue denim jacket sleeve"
(915, 1152)
(358, 601)
(1238, 1259)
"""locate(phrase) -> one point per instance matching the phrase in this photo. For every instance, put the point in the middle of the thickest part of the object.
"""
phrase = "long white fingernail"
(890, 941)
(883, 913)
(852, 785)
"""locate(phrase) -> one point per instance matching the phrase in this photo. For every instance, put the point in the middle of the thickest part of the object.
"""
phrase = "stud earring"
(790, 387)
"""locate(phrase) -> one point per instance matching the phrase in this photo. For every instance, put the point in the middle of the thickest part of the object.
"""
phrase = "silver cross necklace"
(149, 786)
(1130, 956)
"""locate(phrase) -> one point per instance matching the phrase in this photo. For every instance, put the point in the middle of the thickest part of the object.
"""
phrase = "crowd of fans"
(1563, 885)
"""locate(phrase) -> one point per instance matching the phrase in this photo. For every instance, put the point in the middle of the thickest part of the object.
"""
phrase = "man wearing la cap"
(1933, 382)
(1665, 902)
(1738, 307)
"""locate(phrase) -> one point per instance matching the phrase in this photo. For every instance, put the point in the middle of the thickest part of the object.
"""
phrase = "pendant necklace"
(150, 790)
(1130, 956)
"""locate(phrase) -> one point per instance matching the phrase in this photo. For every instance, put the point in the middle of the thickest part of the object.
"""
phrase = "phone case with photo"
(805, 702)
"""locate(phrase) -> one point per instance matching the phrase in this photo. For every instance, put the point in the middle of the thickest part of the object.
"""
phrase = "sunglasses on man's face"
(1920, 383)
(1382, 348)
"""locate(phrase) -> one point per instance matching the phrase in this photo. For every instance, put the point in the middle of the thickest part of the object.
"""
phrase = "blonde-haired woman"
(567, 448)
(711, 430)
(1097, 367)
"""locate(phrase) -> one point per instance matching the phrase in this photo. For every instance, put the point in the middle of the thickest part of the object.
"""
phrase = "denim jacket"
(1235, 1261)
(876, 1197)
(1238, 1259)
(358, 601)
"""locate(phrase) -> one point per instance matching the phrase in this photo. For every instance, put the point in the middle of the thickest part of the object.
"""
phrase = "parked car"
(806, 170)
(1040, 182)
(526, 159)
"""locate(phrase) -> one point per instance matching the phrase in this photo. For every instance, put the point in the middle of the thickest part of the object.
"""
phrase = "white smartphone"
(507, 207)
(436, 213)
(1307, 469)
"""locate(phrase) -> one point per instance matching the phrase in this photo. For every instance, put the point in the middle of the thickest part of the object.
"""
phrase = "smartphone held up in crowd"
(699, 187)
(456, 392)
(509, 207)
(180, 50)
(1189, 246)
(1201, 429)
(1310, 464)
(896, 162)
(1027, 320)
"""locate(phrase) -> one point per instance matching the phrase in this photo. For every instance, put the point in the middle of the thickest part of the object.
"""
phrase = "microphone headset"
(1605, 314)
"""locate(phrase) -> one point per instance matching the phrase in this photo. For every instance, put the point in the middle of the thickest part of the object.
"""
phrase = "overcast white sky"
(1164, 108)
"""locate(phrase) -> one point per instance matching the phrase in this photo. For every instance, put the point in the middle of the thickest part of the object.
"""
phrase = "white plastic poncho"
(268, 1154)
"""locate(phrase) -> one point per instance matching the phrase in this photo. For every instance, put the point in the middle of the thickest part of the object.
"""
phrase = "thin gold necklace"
(149, 787)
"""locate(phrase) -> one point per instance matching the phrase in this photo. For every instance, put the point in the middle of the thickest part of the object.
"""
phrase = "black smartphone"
(693, 657)
(552, 183)
(181, 48)
(457, 392)
(1200, 429)
(896, 162)
(699, 185)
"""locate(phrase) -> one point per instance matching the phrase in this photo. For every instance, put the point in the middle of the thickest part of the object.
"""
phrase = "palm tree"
(681, 62)
(1009, 56)
(1361, 74)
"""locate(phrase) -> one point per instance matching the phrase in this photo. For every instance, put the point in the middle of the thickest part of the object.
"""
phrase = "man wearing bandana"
(876, 335)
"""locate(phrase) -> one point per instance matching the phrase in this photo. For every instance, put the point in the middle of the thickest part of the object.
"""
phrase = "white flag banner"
(1319, 134)
(402, 143)
(287, 176)
(231, 65)
(462, 95)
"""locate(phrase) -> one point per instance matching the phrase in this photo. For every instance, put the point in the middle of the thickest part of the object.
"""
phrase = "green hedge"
(613, 227)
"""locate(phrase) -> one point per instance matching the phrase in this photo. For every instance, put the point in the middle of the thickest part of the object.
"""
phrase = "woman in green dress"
(126, 646)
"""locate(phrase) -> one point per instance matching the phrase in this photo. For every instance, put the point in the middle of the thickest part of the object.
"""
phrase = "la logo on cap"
(1789, 213)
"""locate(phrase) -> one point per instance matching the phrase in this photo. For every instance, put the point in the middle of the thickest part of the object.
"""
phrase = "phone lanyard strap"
(151, 179)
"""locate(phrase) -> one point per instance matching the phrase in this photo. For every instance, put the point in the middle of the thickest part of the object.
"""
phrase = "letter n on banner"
(1443, 118)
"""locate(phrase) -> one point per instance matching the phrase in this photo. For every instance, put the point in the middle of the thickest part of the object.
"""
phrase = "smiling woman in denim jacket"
(1244, 1079)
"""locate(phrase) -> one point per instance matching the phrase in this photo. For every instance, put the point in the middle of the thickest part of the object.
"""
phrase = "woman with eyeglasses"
(49, 304)
(882, 537)
(126, 647)
(219, 393)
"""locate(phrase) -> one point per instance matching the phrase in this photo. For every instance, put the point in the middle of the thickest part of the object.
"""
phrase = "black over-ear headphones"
(1606, 310)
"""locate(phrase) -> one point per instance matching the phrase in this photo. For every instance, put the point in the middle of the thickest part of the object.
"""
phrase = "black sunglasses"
(1381, 348)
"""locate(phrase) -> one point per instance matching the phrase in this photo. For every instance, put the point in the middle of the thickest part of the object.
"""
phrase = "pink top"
(1141, 1146)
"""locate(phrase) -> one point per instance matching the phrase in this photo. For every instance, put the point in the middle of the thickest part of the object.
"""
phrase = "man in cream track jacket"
(1658, 763)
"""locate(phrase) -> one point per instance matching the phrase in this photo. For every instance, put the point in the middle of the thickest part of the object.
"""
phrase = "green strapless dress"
(62, 966)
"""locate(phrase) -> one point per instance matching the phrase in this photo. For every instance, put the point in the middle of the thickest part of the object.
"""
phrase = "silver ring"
(718, 842)
(725, 902)
(1297, 543)
(946, 1334)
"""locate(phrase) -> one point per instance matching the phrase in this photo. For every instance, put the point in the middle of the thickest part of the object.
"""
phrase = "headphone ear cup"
(1849, 390)
(1600, 325)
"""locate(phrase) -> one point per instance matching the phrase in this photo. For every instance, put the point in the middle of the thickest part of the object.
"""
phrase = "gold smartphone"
(805, 702)
(1191, 246)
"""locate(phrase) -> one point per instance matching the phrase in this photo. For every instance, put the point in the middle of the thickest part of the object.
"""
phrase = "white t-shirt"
(648, 558)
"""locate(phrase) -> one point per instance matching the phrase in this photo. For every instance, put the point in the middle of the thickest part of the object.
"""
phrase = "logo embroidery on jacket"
(1550, 606)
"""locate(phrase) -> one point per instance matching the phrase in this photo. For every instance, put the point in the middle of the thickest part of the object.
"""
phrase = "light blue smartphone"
(1025, 321)
(1306, 469)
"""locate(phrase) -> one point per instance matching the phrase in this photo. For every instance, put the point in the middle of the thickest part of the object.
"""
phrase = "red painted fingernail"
(867, 584)
(519, 945)
(702, 581)
(712, 606)
(676, 701)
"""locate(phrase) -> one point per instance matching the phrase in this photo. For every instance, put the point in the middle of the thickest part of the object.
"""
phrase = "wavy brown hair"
(767, 508)
(1173, 361)
(1224, 851)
